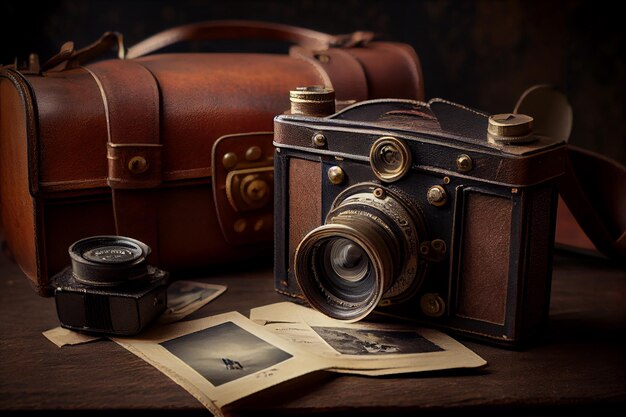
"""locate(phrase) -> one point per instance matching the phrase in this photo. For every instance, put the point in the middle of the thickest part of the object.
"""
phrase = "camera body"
(427, 211)
(109, 288)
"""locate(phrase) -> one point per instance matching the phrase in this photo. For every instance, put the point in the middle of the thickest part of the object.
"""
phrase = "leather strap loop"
(74, 59)
(241, 29)
(131, 100)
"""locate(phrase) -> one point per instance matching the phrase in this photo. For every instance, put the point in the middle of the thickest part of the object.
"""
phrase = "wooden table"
(578, 369)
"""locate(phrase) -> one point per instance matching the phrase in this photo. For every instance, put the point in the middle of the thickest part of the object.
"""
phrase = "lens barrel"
(365, 252)
(109, 260)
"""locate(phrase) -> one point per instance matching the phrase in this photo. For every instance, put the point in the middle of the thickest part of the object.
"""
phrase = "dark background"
(480, 53)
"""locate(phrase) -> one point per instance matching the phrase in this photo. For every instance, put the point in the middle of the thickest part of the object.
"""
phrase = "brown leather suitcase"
(172, 149)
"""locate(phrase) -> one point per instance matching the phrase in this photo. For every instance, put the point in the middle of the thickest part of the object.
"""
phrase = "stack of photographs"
(224, 358)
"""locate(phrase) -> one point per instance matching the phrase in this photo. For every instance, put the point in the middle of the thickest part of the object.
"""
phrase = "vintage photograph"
(185, 297)
(225, 352)
(365, 348)
(223, 358)
(374, 342)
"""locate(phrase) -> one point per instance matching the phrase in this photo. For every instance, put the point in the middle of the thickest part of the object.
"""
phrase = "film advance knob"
(509, 128)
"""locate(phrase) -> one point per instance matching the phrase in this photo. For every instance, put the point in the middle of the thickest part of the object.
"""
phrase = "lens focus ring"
(366, 251)
(108, 260)
(337, 297)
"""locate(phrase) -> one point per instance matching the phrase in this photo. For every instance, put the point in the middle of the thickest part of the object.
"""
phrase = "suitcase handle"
(242, 29)
(210, 30)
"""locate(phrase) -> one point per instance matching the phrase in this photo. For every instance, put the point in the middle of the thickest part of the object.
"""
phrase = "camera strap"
(592, 188)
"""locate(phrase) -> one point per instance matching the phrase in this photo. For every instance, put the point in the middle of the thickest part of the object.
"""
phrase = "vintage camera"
(109, 287)
(429, 211)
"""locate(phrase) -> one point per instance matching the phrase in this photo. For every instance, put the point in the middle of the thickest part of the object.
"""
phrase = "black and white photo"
(225, 352)
(350, 341)
(223, 358)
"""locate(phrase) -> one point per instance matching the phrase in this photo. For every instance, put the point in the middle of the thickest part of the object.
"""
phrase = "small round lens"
(109, 260)
(348, 260)
(391, 156)
(390, 159)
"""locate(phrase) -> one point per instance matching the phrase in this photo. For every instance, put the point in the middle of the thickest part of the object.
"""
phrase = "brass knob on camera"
(437, 196)
(319, 140)
(335, 175)
(464, 163)
(390, 159)
(510, 128)
(312, 101)
(432, 305)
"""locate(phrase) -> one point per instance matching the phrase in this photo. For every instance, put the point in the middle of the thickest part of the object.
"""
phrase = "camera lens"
(109, 288)
(112, 254)
(109, 260)
(346, 285)
(366, 251)
(347, 259)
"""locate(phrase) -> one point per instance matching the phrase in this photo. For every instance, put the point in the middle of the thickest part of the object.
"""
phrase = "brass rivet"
(240, 225)
(379, 193)
(258, 225)
(335, 175)
(514, 190)
(319, 140)
(424, 248)
(253, 153)
(464, 163)
(138, 165)
(229, 160)
(432, 305)
(446, 180)
(437, 196)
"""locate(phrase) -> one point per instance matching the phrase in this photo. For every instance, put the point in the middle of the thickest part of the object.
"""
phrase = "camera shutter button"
(510, 128)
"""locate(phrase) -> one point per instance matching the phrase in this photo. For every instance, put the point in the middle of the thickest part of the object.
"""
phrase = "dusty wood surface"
(579, 367)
